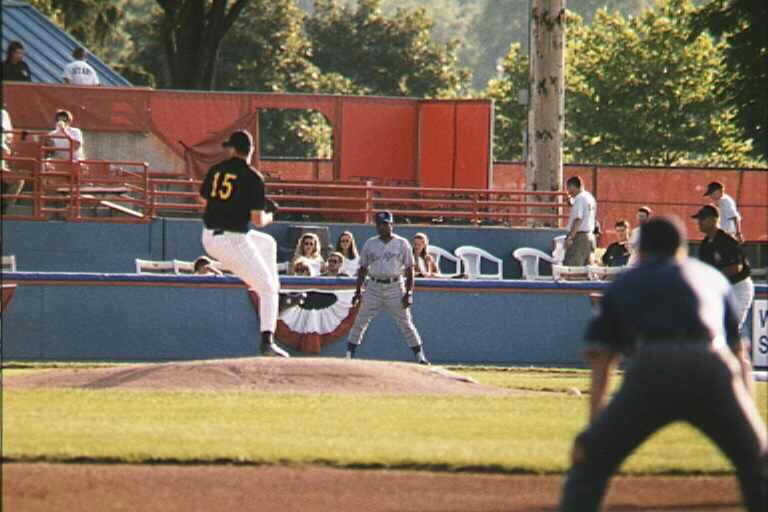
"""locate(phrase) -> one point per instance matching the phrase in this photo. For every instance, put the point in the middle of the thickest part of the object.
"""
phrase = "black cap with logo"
(241, 141)
(707, 211)
(384, 217)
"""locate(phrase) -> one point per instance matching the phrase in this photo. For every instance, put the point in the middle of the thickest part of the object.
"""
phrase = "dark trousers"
(664, 384)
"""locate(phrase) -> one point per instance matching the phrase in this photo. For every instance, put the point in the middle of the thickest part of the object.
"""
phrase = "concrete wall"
(108, 247)
(120, 321)
(154, 318)
(133, 147)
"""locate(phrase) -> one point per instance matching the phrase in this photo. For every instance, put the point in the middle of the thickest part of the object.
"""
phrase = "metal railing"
(358, 201)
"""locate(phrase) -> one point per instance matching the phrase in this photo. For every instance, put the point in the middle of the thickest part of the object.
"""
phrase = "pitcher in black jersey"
(234, 196)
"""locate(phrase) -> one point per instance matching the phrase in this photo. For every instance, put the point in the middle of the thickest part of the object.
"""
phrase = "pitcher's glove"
(271, 206)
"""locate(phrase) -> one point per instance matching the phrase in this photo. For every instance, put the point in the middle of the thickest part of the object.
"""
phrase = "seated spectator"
(424, 262)
(204, 267)
(14, 67)
(308, 249)
(64, 129)
(301, 267)
(348, 248)
(79, 72)
(617, 254)
(335, 266)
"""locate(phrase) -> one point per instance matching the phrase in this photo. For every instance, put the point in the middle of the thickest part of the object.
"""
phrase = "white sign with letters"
(760, 334)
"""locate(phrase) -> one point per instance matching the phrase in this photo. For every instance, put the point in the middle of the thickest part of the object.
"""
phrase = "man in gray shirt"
(385, 259)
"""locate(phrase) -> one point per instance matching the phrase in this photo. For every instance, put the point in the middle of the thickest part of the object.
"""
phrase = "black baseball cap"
(706, 211)
(712, 187)
(241, 141)
(384, 217)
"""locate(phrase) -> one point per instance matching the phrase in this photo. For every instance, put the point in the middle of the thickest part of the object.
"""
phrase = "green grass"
(529, 433)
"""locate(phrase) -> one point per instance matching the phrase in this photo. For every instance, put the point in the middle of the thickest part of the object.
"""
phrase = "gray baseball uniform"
(385, 288)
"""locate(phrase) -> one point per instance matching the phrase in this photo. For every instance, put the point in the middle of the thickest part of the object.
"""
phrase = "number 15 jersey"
(232, 189)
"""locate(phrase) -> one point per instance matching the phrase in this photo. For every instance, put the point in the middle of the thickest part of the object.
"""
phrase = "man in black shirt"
(673, 316)
(234, 196)
(724, 252)
(14, 67)
(617, 254)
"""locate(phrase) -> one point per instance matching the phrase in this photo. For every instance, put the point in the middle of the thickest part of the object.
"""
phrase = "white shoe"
(350, 355)
(272, 350)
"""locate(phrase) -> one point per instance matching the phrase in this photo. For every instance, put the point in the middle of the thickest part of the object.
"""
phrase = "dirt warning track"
(156, 488)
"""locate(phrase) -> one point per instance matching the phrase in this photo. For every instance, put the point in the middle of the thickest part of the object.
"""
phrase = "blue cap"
(384, 217)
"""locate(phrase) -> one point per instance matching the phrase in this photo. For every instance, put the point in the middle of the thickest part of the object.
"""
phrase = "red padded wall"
(379, 140)
(436, 139)
(473, 145)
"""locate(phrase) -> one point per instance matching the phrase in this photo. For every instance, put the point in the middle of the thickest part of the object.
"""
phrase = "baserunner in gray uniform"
(385, 260)
(674, 316)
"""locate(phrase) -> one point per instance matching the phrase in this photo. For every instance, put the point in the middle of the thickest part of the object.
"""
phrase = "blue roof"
(47, 48)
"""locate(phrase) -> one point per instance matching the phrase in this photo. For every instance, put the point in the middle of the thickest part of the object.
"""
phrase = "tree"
(638, 91)
(510, 115)
(393, 56)
(192, 31)
(741, 23)
(641, 91)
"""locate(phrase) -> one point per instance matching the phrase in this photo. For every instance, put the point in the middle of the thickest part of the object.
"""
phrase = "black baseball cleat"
(423, 360)
(291, 299)
(270, 349)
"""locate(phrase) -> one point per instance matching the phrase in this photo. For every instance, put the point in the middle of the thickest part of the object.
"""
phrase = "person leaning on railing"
(66, 138)
(308, 249)
(425, 264)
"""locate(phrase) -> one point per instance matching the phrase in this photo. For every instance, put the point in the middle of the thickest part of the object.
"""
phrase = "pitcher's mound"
(319, 375)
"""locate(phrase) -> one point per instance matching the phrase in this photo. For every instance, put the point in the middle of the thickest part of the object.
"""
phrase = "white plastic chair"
(529, 259)
(564, 273)
(183, 267)
(439, 254)
(9, 263)
(154, 267)
(472, 258)
(558, 249)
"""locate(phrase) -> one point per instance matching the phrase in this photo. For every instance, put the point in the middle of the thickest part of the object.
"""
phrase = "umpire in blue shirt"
(674, 317)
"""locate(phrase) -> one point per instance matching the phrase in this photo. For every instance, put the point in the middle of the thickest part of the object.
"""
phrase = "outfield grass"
(530, 433)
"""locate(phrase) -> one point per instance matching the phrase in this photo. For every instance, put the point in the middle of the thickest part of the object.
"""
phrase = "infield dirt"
(313, 375)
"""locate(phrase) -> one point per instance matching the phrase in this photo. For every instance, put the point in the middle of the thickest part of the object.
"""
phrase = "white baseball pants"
(253, 258)
(743, 293)
(384, 297)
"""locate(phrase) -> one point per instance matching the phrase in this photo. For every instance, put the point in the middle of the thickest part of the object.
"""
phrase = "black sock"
(416, 349)
(266, 338)
(351, 347)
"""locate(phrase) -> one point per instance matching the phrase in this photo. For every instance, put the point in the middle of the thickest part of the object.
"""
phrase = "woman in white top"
(348, 248)
(425, 263)
(308, 251)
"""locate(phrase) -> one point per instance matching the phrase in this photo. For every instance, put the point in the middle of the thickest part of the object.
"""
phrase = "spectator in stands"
(643, 215)
(79, 72)
(580, 242)
(73, 135)
(425, 265)
(301, 266)
(204, 267)
(308, 249)
(14, 67)
(335, 266)
(7, 140)
(617, 254)
(730, 218)
(348, 248)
